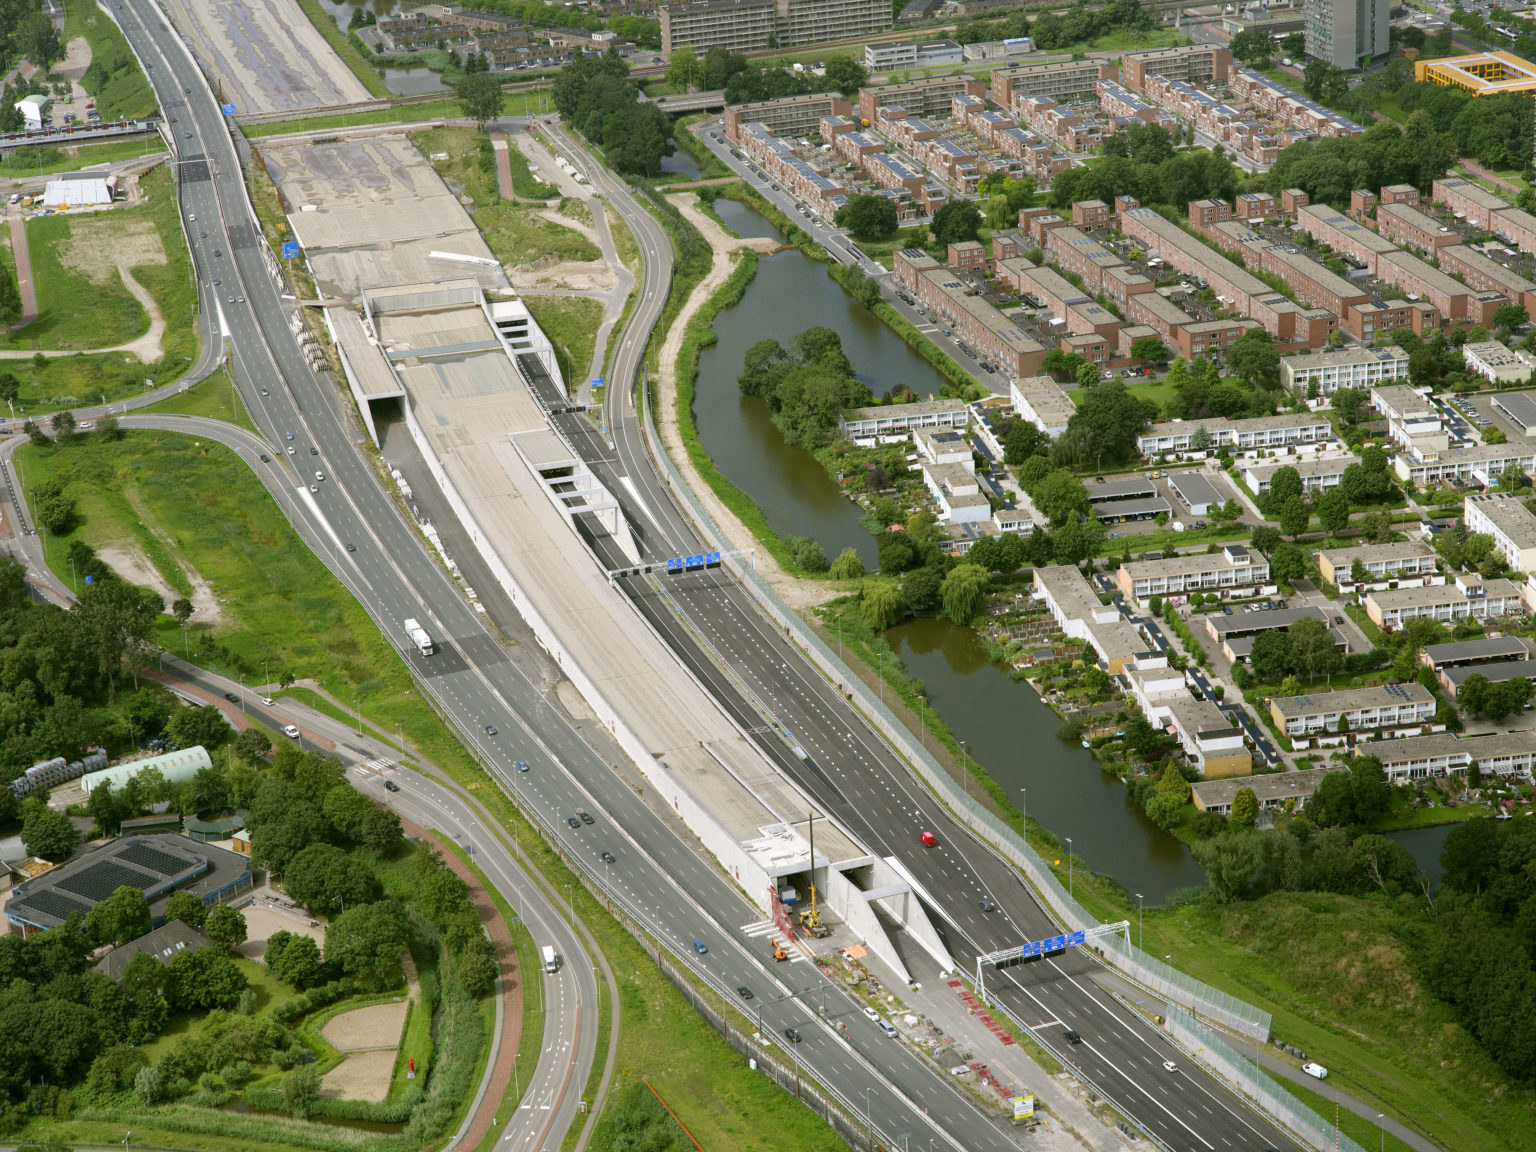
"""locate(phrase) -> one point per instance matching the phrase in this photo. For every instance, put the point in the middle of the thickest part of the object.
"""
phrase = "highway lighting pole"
(869, 1128)
(1069, 867)
(922, 721)
(965, 771)
(1381, 1127)
(517, 1089)
(1140, 923)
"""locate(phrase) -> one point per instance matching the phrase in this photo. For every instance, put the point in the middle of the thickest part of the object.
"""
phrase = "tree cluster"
(1480, 696)
(594, 95)
(1328, 170)
(1143, 164)
(806, 386)
(1105, 426)
(868, 217)
(1306, 648)
(1056, 30)
(304, 801)
(1200, 392)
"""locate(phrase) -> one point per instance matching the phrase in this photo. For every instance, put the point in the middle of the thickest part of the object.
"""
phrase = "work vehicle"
(887, 1027)
(551, 959)
(1316, 1071)
(928, 839)
(419, 636)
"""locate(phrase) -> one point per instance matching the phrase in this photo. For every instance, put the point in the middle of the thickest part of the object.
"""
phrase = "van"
(551, 959)
(1316, 1071)
(890, 1029)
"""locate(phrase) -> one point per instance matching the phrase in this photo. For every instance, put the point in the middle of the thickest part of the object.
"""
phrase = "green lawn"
(214, 397)
(118, 148)
(114, 78)
(1157, 391)
(77, 309)
(395, 114)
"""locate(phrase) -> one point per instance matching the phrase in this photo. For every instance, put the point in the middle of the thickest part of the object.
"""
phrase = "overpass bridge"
(692, 102)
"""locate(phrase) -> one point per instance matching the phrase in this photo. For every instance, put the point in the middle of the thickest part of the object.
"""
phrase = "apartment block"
(786, 116)
(1042, 402)
(1400, 194)
(1186, 335)
(1231, 567)
(1209, 738)
(1362, 709)
(1276, 101)
(1204, 213)
(1404, 224)
(1102, 270)
(931, 97)
(1345, 32)
(1078, 311)
(1444, 754)
(1414, 423)
(1062, 81)
(1481, 464)
(1469, 596)
(1347, 237)
(780, 161)
(1485, 274)
(1454, 299)
(1494, 362)
(901, 420)
(814, 21)
(1090, 214)
(957, 492)
(1292, 201)
(1076, 608)
(1346, 368)
(1194, 63)
(1254, 207)
(983, 327)
(1368, 321)
(1119, 103)
(1482, 209)
(1318, 474)
(967, 256)
(735, 25)
(1509, 522)
(1361, 203)
(1238, 435)
(1380, 561)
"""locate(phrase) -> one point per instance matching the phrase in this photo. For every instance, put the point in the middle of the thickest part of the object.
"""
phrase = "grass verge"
(114, 78)
(524, 182)
(213, 397)
(571, 323)
(336, 37)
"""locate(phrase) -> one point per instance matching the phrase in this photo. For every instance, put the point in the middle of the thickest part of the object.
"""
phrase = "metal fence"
(1001, 838)
(1254, 1084)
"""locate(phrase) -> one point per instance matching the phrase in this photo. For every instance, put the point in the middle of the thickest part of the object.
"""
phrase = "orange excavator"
(778, 950)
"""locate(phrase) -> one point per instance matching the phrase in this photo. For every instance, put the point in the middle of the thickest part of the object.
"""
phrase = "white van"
(1316, 1071)
(887, 1027)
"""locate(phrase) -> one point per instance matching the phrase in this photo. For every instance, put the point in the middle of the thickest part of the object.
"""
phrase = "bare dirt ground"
(129, 562)
(796, 593)
(377, 1026)
(576, 275)
(100, 244)
(361, 1076)
(77, 60)
(261, 924)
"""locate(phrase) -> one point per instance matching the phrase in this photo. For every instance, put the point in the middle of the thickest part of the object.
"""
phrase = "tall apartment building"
(748, 25)
(1343, 31)
(1192, 63)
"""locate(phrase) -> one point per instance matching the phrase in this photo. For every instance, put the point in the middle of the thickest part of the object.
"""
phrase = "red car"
(929, 840)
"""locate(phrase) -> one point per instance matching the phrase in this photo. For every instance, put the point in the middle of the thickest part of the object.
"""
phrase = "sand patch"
(366, 1029)
(261, 924)
(362, 1076)
(100, 245)
(575, 276)
(76, 62)
(135, 567)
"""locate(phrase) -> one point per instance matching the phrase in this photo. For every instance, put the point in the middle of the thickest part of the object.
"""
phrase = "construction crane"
(810, 919)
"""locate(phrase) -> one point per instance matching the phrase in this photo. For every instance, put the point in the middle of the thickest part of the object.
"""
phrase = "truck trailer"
(419, 637)
(551, 959)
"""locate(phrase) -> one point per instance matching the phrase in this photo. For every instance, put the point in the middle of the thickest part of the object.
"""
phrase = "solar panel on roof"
(148, 856)
(52, 902)
(96, 884)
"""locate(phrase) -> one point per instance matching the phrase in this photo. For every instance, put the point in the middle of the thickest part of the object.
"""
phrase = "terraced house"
(1362, 709)
(1226, 570)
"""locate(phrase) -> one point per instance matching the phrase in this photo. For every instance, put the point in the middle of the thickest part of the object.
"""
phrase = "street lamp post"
(1140, 923)
(1382, 1128)
(1069, 867)
(869, 1127)
(965, 771)
(517, 1089)
(1024, 809)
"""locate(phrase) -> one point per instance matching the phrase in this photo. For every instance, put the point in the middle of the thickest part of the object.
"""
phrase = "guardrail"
(1200, 998)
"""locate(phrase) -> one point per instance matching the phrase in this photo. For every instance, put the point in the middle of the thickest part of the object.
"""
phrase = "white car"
(268, 701)
(1170, 1066)
(1316, 1071)
(319, 476)
(291, 731)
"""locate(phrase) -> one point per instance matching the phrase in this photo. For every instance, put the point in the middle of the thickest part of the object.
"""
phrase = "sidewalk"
(23, 261)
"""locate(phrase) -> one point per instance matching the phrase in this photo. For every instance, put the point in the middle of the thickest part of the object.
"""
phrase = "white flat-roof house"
(1317, 474)
(1346, 368)
(1232, 566)
(1384, 706)
(1079, 613)
(1380, 561)
(1256, 432)
(1042, 402)
(1510, 523)
(1469, 595)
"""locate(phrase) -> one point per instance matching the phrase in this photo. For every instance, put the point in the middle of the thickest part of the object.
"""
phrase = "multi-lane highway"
(356, 529)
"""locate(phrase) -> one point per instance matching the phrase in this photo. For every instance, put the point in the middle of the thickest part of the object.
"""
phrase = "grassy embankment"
(367, 75)
(23, 162)
(214, 397)
(711, 167)
(114, 78)
(82, 301)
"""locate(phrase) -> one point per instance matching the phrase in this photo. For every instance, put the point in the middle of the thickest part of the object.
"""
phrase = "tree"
(1284, 485)
(683, 68)
(1294, 517)
(868, 217)
(107, 427)
(480, 97)
(324, 878)
(1295, 44)
(293, 958)
(182, 609)
(226, 926)
(956, 222)
(121, 917)
(64, 427)
(1253, 356)
(367, 940)
(1230, 861)
(807, 553)
(920, 590)
(1149, 348)
(253, 743)
(301, 1088)
(1333, 510)
(187, 908)
(845, 74)
(1253, 45)
(1164, 810)
(882, 604)
(204, 979)
(1245, 807)
(204, 725)
(847, 566)
(897, 552)
(964, 592)
(47, 833)
(1023, 440)
(1061, 496)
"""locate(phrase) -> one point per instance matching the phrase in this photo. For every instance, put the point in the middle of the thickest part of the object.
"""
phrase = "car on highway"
(874, 1017)
(985, 905)
(1071, 1036)
(313, 451)
(231, 697)
(743, 991)
(265, 459)
(231, 300)
(573, 822)
(792, 1035)
(522, 765)
(351, 547)
(319, 476)
(312, 488)
(928, 839)
(700, 947)
(291, 731)
(391, 786)
(607, 856)
(490, 729)
(288, 435)
(291, 452)
(216, 252)
(586, 817)
(1170, 1066)
(268, 701)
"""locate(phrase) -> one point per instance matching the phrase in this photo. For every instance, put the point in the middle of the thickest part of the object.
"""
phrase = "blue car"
(700, 947)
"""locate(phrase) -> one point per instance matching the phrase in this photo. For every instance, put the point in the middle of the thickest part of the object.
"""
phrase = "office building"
(1363, 709)
(1345, 32)
(1509, 522)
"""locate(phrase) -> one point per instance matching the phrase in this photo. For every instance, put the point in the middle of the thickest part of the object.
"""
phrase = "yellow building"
(1486, 74)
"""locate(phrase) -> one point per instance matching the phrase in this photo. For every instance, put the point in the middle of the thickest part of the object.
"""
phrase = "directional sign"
(290, 249)
(693, 561)
(597, 381)
(712, 559)
(229, 109)
(1076, 937)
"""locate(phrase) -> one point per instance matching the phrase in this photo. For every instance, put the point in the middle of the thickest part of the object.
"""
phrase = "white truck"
(551, 959)
(419, 637)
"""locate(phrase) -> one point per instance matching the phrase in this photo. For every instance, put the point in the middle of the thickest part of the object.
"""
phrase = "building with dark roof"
(155, 865)
(163, 943)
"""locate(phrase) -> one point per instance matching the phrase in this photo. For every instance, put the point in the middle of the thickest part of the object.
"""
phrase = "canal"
(1005, 725)
(791, 293)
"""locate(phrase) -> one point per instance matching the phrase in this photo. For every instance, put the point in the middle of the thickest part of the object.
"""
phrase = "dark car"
(586, 817)
(391, 786)
(265, 459)
(573, 822)
(313, 451)
(700, 947)
(522, 765)
(743, 991)
(985, 905)
(231, 697)
(607, 856)
(1071, 1037)
(792, 1035)
(490, 729)
(351, 547)
(216, 252)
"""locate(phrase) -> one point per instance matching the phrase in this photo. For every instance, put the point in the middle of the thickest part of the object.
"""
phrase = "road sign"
(597, 381)
(229, 109)
(290, 249)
